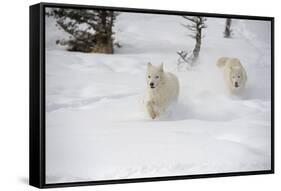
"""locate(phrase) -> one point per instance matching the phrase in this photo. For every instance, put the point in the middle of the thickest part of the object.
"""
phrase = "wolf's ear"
(161, 67)
(149, 64)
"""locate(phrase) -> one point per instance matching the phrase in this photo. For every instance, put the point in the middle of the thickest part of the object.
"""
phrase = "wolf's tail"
(221, 62)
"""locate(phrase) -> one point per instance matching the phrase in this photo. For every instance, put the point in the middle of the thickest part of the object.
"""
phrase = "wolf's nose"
(151, 84)
(236, 84)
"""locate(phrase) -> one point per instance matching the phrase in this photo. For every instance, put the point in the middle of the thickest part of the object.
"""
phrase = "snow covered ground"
(96, 128)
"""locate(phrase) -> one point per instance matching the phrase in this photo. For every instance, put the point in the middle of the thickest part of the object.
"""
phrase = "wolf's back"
(173, 84)
(222, 61)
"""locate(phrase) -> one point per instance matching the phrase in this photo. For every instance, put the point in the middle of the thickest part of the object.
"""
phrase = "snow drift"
(96, 127)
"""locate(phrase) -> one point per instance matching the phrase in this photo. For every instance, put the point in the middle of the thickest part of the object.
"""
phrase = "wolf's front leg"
(150, 109)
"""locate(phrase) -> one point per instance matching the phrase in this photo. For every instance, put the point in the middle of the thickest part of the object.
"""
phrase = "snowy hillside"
(96, 127)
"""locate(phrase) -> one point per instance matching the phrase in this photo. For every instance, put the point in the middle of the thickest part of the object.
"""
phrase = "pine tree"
(227, 30)
(90, 30)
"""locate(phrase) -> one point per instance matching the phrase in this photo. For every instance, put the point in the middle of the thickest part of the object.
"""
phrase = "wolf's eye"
(149, 76)
(156, 77)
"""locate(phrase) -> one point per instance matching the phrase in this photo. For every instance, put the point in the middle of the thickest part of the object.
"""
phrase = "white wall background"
(14, 88)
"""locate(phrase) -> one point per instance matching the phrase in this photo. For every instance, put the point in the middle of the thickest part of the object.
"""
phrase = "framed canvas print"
(123, 95)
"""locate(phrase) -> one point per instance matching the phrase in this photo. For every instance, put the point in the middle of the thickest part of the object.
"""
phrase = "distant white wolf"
(162, 90)
(234, 74)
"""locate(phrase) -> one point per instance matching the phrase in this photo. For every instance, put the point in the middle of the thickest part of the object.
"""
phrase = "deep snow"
(96, 127)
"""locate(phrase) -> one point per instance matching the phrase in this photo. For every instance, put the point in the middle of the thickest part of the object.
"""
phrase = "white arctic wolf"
(162, 90)
(234, 74)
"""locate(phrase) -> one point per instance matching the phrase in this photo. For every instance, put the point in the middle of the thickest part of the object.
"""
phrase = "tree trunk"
(197, 47)
(104, 41)
(227, 31)
(103, 44)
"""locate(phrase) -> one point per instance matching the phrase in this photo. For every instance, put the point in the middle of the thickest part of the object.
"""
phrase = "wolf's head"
(236, 77)
(154, 75)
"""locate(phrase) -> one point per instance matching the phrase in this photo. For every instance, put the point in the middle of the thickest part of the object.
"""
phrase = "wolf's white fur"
(234, 74)
(162, 90)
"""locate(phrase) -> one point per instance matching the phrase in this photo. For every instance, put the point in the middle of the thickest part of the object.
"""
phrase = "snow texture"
(96, 126)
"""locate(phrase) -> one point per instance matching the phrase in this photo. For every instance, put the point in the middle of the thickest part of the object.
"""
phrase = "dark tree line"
(92, 31)
(89, 30)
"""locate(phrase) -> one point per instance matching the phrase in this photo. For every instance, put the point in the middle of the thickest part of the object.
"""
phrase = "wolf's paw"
(150, 110)
(153, 115)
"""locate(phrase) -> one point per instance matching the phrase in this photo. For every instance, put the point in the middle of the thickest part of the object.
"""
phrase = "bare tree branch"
(192, 19)
(195, 26)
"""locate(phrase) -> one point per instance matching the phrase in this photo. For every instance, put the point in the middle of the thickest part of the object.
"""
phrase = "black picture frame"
(37, 96)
